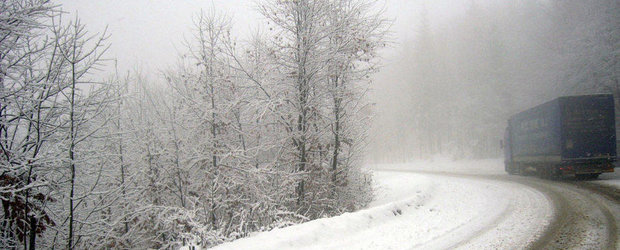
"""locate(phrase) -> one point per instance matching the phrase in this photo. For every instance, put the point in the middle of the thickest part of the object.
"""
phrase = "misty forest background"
(248, 135)
(449, 91)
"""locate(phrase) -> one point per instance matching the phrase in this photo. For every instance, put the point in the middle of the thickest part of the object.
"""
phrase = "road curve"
(586, 214)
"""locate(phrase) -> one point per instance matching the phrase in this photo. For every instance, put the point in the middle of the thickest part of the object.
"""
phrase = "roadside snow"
(445, 165)
(610, 179)
(423, 211)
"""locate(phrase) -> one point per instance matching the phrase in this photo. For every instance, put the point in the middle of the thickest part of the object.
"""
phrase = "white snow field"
(424, 211)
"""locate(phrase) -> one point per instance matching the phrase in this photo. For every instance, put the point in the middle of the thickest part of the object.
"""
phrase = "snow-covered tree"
(241, 138)
(357, 33)
(588, 41)
(81, 177)
(29, 115)
(51, 122)
(324, 50)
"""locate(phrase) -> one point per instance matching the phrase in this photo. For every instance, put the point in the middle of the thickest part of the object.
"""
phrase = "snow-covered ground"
(442, 164)
(426, 211)
(610, 179)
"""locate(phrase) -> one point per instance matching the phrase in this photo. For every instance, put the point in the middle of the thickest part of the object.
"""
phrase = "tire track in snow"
(491, 225)
(586, 214)
(499, 195)
(501, 223)
(613, 194)
(583, 216)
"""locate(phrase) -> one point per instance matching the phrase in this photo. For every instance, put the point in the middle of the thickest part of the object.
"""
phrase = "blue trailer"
(572, 135)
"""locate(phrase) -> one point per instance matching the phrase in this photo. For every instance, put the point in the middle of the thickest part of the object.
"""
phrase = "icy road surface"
(427, 209)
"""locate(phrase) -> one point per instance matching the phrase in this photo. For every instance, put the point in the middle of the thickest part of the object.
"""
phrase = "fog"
(454, 80)
(453, 73)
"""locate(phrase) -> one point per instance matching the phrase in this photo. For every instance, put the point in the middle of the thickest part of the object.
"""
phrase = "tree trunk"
(337, 107)
(302, 85)
(71, 154)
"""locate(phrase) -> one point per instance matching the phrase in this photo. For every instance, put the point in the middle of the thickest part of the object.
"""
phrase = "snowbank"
(397, 196)
(423, 211)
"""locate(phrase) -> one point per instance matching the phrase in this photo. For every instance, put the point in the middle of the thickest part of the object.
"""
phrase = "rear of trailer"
(572, 135)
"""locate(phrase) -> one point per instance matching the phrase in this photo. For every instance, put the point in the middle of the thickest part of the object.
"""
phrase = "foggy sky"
(148, 34)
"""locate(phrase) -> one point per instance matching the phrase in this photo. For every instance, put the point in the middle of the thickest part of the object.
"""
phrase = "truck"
(567, 136)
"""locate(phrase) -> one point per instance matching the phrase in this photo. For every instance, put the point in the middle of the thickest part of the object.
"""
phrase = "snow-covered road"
(425, 211)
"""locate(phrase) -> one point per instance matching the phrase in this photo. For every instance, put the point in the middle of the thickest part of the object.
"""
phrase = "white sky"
(149, 33)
